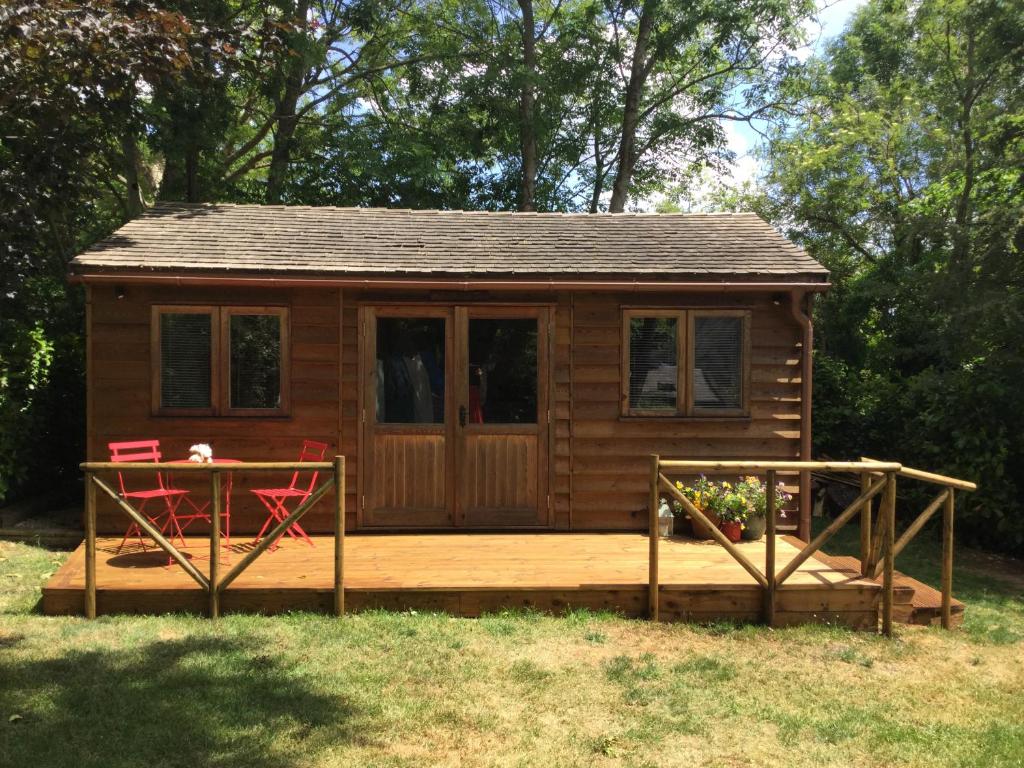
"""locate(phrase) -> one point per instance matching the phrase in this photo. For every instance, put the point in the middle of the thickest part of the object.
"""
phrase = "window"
(684, 362)
(654, 345)
(502, 370)
(254, 358)
(717, 362)
(186, 348)
(226, 361)
(410, 370)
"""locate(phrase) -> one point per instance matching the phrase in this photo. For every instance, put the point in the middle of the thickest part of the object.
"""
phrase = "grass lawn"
(511, 689)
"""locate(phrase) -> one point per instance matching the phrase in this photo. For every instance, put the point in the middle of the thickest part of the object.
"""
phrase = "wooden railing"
(879, 546)
(214, 584)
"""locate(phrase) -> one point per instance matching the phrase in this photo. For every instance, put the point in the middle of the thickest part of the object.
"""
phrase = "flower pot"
(733, 531)
(755, 527)
(701, 531)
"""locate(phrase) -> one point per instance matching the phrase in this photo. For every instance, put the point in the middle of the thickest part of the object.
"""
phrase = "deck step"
(914, 602)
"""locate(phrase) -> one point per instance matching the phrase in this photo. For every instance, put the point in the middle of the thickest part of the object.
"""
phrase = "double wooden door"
(454, 416)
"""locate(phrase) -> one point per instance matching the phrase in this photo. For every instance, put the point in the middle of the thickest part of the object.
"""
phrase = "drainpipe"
(801, 305)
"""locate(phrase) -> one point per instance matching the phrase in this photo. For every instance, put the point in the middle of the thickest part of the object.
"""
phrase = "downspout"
(801, 305)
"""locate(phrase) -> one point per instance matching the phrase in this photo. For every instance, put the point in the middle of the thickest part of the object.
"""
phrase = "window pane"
(185, 360)
(653, 368)
(255, 361)
(410, 370)
(502, 371)
(717, 363)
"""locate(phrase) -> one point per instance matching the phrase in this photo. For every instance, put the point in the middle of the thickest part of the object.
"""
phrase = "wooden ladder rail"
(946, 499)
(214, 585)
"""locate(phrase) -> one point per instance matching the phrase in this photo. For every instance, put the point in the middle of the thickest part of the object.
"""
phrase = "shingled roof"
(340, 242)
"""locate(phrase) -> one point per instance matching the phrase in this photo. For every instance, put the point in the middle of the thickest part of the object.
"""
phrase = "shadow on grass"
(187, 702)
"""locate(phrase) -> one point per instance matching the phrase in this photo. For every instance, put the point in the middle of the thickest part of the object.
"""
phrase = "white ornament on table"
(201, 453)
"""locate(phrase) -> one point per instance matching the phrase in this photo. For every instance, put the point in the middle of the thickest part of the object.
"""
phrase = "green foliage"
(903, 177)
(68, 161)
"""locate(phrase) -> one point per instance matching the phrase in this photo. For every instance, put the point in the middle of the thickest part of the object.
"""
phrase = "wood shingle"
(300, 240)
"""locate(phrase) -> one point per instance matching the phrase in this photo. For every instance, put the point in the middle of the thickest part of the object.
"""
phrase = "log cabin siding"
(609, 453)
(598, 460)
(121, 401)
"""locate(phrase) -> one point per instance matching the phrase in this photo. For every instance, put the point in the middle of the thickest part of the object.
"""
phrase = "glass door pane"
(502, 371)
(410, 370)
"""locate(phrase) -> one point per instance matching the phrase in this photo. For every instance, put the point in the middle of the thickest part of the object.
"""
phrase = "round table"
(201, 509)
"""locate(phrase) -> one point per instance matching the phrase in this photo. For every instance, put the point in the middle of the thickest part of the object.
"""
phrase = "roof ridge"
(464, 211)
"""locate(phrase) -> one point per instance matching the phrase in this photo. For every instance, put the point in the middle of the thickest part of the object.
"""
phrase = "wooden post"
(769, 552)
(339, 535)
(947, 557)
(214, 585)
(90, 547)
(652, 535)
(888, 512)
(866, 564)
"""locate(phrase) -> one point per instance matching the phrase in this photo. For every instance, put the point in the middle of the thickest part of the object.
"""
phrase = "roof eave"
(807, 281)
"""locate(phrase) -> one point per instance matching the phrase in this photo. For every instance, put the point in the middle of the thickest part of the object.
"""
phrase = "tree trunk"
(599, 168)
(527, 111)
(287, 121)
(134, 201)
(192, 193)
(171, 182)
(631, 109)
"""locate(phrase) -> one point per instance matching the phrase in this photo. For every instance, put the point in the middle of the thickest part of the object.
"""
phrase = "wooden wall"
(598, 477)
(120, 399)
(609, 455)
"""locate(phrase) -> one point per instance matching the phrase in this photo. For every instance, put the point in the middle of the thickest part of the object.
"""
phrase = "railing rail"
(214, 584)
(879, 546)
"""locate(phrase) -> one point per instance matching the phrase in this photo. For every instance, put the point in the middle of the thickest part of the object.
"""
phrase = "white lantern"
(666, 519)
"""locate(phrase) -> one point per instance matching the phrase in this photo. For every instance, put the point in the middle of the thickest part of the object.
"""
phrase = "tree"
(904, 178)
(686, 67)
(71, 167)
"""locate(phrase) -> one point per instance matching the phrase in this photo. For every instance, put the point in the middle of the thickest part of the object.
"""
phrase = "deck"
(470, 574)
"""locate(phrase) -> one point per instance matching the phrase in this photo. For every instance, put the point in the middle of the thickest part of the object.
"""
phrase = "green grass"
(991, 586)
(512, 689)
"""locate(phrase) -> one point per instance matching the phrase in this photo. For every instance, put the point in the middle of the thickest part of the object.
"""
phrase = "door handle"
(462, 415)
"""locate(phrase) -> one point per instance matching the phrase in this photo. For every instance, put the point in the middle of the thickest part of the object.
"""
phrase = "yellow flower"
(726, 485)
(679, 485)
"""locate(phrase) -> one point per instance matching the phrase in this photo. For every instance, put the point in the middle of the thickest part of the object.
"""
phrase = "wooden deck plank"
(468, 574)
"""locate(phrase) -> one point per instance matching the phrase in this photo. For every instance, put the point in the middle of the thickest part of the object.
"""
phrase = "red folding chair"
(276, 499)
(168, 521)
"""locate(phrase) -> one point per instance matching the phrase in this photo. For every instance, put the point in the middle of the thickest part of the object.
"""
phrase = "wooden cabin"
(479, 371)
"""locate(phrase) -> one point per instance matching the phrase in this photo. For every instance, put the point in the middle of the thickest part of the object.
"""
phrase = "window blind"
(717, 363)
(185, 360)
(653, 364)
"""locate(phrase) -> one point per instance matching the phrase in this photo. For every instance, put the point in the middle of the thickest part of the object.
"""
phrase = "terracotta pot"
(733, 531)
(754, 529)
(700, 531)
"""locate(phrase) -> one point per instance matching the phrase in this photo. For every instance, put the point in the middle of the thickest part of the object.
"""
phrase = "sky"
(832, 18)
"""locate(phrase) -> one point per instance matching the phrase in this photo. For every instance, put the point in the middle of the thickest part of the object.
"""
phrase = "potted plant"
(756, 492)
(734, 508)
(704, 495)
